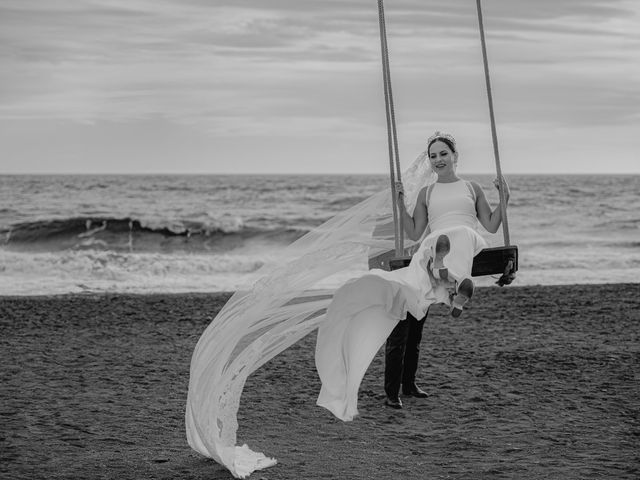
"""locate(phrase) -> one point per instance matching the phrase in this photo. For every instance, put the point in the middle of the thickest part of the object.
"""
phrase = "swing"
(501, 260)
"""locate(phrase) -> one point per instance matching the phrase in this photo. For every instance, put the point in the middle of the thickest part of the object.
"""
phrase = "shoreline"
(531, 382)
(228, 293)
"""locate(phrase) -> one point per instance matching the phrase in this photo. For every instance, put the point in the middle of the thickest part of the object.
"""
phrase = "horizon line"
(297, 173)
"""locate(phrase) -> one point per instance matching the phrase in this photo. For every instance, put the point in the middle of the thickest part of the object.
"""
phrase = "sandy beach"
(531, 382)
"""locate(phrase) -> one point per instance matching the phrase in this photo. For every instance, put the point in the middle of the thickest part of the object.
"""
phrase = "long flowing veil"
(284, 305)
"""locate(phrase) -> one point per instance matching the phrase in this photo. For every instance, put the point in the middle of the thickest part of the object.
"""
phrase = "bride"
(289, 301)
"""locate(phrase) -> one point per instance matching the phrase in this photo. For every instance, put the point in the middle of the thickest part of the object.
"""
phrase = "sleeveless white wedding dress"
(289, 301)
(365, 310)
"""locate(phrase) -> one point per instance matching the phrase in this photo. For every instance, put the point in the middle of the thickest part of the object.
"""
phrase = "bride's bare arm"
(415, 225)
(489, 219)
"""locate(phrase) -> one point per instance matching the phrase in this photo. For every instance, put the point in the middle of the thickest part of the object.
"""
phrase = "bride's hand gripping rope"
(400, 196)
(399, 189)
(507, 191)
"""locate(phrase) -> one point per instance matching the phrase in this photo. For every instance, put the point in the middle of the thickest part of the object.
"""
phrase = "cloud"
(283, 68)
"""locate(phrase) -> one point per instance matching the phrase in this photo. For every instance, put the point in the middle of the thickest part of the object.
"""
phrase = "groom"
(401, 361)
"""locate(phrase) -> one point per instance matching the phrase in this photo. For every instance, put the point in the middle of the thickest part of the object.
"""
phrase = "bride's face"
(442, 159)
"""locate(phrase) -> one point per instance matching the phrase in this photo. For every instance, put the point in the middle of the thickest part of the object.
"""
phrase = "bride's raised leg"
(443, 247)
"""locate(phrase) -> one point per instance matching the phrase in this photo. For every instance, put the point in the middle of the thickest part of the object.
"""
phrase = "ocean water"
(179, 233)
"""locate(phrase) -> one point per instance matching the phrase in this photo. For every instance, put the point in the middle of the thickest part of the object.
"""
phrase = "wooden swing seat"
(490, 261)
(495, 261)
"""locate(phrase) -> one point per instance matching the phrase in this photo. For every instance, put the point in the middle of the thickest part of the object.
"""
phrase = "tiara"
(438, 135)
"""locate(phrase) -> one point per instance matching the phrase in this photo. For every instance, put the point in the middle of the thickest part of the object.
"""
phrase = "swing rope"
(490, 261)
(494, 134)
(392, 135)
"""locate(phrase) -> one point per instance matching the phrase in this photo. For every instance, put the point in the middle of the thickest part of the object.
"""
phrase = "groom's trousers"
(402, 351)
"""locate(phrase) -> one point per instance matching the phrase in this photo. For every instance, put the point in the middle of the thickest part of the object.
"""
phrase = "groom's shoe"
(393, 402)
(414, 391)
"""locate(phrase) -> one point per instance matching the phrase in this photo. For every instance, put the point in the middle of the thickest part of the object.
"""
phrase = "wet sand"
(530, 383)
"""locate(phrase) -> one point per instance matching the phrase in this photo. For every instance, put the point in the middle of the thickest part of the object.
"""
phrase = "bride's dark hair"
(448, 139)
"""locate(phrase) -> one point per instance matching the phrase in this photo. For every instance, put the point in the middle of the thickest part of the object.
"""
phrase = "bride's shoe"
(443, 247)
(465, 291)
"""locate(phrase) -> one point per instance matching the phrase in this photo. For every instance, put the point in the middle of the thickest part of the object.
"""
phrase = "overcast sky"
(295, 86)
